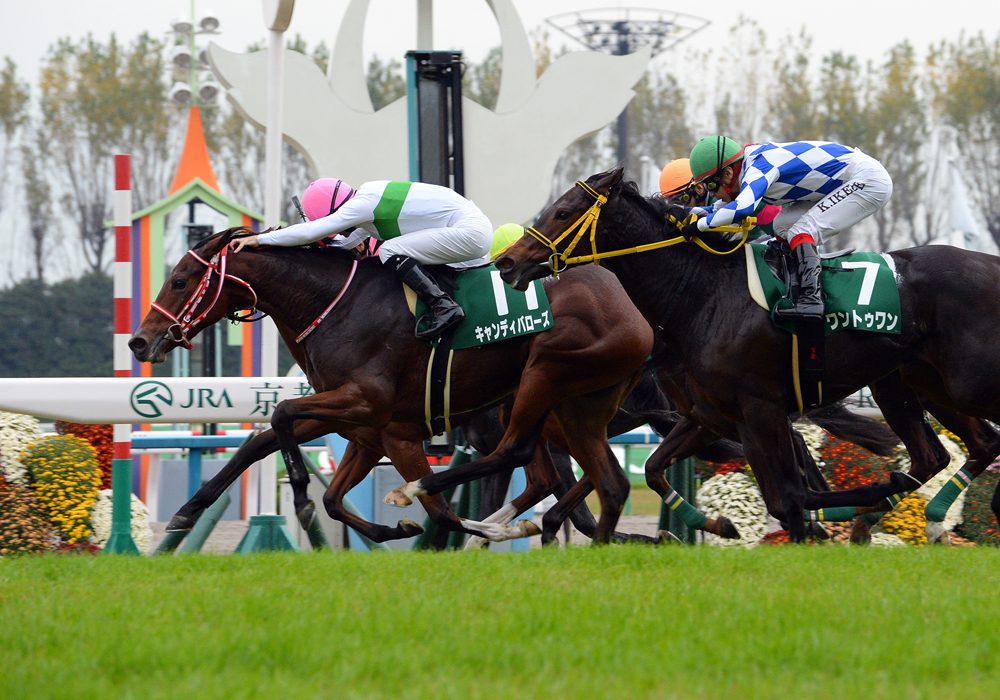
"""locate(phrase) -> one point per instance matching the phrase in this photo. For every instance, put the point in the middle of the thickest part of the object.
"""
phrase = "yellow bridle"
(560, 261)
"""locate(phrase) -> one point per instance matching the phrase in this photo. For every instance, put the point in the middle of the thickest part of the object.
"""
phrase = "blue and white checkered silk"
(781, 173)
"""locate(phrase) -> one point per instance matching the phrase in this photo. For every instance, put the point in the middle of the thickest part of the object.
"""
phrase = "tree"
(481, 81)
(14, 96)
(57, 330)
(386, 83)
(965, 78)
(38, 199)
(792, 112)
(98, 100)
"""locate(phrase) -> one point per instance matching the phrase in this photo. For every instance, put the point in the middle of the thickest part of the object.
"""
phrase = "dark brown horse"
(368, 372)
(727, 367)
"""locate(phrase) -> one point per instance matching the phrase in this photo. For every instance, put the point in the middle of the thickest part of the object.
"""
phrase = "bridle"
(558, 262)
(185, 319)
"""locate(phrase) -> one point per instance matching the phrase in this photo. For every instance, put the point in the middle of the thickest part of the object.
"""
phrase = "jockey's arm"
(350, 216)
(751, 194)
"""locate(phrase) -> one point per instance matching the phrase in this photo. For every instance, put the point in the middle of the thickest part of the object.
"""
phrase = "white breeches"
(465, 241)
(867, 189)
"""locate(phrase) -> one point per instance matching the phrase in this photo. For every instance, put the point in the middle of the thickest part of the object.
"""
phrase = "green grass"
(644, 501)
(620, 622)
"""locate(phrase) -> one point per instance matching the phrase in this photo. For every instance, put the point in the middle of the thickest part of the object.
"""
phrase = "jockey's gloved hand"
(689, 227)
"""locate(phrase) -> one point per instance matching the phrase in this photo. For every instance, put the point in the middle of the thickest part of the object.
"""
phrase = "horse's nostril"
(504, 263)
(137, 345)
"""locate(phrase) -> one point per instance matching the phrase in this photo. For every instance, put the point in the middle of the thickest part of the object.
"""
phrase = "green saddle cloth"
(859, 289)
(494, 311)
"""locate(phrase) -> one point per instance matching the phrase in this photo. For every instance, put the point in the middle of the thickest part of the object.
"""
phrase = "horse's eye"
(178, 284)
(562, 215)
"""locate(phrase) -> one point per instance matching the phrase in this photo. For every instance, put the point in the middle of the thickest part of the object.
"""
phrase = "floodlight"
(203, 56)
(182, 26)
(209, 23)
(181, 57)
(208, 91)
(180, 93)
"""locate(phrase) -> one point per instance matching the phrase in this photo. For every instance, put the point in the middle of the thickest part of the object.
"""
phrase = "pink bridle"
(183, 321)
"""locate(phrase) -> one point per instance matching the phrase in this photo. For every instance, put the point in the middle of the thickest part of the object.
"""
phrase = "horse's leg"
(255, 449)
(584, 421)
(686, 439)
(555, 515)
(983, 443)
(767, 441)
(357, 463)
(407, 454)
(904, 413)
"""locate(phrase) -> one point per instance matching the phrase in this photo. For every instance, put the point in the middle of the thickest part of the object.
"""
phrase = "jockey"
(421, 224)
(826, 188)
(676, 182)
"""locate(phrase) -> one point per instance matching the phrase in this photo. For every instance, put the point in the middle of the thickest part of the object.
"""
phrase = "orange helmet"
(676, 176)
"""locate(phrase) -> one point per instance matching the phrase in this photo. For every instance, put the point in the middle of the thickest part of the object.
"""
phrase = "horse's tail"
(873, 435)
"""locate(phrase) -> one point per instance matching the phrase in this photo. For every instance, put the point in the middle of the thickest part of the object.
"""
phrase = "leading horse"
(723, 362)
(368, 370)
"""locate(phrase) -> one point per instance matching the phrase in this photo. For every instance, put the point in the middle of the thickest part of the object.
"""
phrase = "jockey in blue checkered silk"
(824, 187)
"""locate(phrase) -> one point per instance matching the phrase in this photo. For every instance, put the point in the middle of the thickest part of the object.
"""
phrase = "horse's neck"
(292, 293)
(671, 285)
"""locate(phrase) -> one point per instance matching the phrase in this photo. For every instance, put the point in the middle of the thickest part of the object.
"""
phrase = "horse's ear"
(607, 179)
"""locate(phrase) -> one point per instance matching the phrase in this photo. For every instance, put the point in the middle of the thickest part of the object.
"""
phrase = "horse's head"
(558, 231)
(197, 293)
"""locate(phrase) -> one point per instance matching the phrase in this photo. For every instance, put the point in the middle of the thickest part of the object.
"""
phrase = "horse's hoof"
(409, 528)
(936, 534)
(817, 531)
(860, 532)
(727, 530)
(527, 528)
(667, 537)
(476, 543)
(306, 515)
(180, 523)
(397, 498)
(550, 543)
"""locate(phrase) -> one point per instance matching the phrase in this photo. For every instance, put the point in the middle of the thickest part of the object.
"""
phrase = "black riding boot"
(809, 303)
(446, 313)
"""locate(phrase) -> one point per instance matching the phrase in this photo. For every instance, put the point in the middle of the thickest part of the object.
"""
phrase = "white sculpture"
(511, 152)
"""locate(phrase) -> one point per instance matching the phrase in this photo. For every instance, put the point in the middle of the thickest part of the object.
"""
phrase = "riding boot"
(445, 313)
(809, 303)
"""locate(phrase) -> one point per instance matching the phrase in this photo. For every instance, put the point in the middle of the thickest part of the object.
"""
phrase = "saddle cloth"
(494, 311)
(859, 290)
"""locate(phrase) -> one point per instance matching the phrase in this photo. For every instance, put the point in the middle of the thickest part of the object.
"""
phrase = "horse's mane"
(657, 206)
(216, 241)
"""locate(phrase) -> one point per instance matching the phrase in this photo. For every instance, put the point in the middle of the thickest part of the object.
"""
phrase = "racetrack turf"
(619, 622)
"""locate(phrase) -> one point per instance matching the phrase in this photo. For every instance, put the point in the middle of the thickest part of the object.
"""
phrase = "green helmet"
(712, 154)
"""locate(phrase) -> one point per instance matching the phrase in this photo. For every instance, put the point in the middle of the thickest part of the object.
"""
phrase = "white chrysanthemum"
(884, 539)
(814, 436)
(737, 497)
(17, 431)
(100, 521)
(954, 515)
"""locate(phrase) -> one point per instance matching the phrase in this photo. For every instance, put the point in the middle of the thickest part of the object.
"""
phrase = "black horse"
(723, 362)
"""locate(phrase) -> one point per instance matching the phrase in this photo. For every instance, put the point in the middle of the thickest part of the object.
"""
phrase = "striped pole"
(120, 541)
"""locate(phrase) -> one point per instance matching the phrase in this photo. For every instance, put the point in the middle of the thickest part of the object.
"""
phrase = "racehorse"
(723, 362)
(367, 369)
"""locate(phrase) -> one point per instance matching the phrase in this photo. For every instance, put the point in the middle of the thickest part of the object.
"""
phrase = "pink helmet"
(325, 196)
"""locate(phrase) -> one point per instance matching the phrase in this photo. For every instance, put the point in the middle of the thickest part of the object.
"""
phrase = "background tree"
(965, 77)
(38, 200)
(98, 100)
(14, 96)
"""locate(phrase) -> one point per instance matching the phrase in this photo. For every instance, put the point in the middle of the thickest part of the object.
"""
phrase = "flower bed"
(979, 525)
(736, 496)
(23, 526)
(16, 433)
(66, 477)
(100, 518)
(100, 437)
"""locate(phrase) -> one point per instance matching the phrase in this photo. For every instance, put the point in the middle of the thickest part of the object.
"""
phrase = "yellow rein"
(559, 261)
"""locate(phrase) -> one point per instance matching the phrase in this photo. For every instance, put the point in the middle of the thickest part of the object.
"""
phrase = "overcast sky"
(866, 28)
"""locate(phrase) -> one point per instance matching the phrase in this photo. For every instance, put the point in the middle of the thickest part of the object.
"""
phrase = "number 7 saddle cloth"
(859, 291)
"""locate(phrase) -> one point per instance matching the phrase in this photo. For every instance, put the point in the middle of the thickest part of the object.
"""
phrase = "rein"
(183, 321)
(588, 222)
